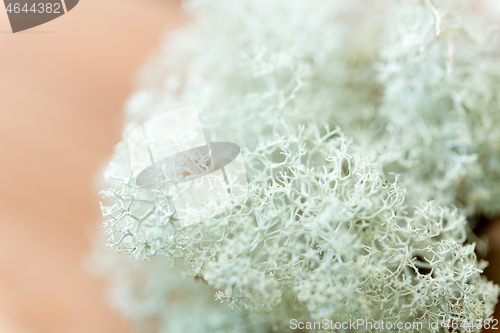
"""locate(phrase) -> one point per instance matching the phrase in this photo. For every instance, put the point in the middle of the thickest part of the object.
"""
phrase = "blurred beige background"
(62, 90)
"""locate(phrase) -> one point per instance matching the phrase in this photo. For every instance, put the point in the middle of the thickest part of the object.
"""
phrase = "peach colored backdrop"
(62, 89)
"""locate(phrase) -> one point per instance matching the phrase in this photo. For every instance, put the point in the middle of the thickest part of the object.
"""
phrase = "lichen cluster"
(370, 138)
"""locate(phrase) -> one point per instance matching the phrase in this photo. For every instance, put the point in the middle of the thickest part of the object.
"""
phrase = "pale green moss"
(369, 224)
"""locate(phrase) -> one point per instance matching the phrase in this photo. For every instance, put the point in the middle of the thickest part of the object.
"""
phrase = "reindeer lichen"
(368, 144)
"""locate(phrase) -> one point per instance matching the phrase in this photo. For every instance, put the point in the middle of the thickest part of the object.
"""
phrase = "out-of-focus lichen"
(440, 71)
(363, 221)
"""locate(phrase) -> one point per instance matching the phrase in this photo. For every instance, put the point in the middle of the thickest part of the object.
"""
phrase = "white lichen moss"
(363, 221)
